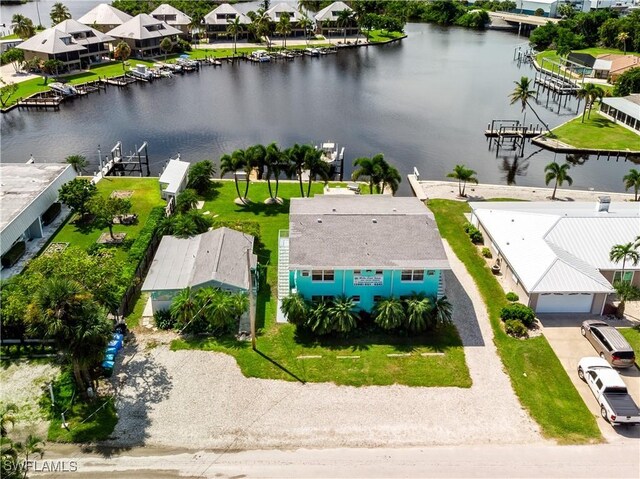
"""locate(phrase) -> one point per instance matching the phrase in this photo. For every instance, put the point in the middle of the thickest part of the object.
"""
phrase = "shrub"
(51, 214)
(12, 256)
(486, 252)
(163, 319)
(513, 297)
(515, 328)
(520, 312)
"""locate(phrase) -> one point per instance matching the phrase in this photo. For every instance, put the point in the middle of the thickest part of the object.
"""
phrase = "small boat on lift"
(63, 89)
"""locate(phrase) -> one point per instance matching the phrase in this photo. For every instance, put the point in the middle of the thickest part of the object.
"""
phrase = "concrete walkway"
(9, 75)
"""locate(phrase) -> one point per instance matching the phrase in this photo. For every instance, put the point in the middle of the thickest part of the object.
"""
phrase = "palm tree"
(624, 252)
(584, 94)
(295, 309)
(232, 164)
(23, 26)
(557, 172)
(284, 27)
(389, 177)
(62, 311)
(77, 162)
(305, 24)
(464, 175)
(389, 313)
(625, 292)
(522, 93)
(342, 315)
(7, 417)
(275, 164)
(418, 313)
(595, 93)
(316, 166)
(368, 168)
(218, 308)
(184, 308)
(442, 311)
(344, 20)
(632, 180)
(296, 156)
(234, 28)
(319, 320)
(59, 13)
(195, 24)
(256, 155)
(32, 445)
(622, 38)
(122, 52)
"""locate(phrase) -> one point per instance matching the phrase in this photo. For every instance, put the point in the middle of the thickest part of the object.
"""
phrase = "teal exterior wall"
(367, 284)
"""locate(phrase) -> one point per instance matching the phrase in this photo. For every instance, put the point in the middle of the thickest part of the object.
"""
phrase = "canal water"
(424, 102)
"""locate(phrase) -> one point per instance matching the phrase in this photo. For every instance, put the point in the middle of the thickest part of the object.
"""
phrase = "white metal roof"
(217, 256)
(104, 14)
(225, 9)
(174, 174)
(555, 247)
(601, 64)
(142, 27)
(331, 12)
(625, 105)
(165, 9)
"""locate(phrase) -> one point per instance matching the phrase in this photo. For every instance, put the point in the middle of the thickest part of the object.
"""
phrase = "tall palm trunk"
(246, 187)
(555, 187)
(371, 186)
(77, 374)
(277, 186)
(269, 186)
(538, 116)
(309, 186)
(460, 188)
(300, 180)
(235, 179)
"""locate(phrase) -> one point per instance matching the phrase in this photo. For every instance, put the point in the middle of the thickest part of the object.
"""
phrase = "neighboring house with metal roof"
(327, 20)
(625, 110)
(555, 256)
(143, 34)
(218, 19)
(172, 16)
(26, 192)
(54, 44)
(104, 17)
(276, 12)
(173, 179)
(366, 247)
(219, 258)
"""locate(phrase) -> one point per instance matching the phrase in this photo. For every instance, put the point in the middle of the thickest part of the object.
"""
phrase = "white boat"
(64, 90)
(215, 62)
(141, 71)
(312, 52)
(260, 56)
(330, 153)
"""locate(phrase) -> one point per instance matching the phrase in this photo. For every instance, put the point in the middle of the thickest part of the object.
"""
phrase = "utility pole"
(252, 309)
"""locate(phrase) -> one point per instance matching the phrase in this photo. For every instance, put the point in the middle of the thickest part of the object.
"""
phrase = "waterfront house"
(327, 20)
(143, 34)
(620, 64)
(366, 247)
(27, 191)
(278, 10)
(217, 258)
(104, 17)
(624, 110)
(593, 67)
(173, 179)
(218, 19)
(555, 256)
(173, 17)
(95, 42)
(54, 44)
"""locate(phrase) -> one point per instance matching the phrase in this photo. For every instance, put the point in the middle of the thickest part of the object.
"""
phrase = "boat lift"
(120, 164)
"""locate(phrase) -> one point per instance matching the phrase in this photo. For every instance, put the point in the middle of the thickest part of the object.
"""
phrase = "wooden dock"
(517, 133)
(122, 80)
(44, 99)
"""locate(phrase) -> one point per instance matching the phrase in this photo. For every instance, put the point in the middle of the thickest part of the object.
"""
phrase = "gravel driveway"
(198, 399)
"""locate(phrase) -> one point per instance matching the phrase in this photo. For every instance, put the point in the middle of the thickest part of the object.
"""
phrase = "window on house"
(321, 298)
(431, 272)
(377, 298)
(412, 275)
(628, 276)
(322, 275)
(355, 299)
(378, 271)
(305, 274)
(356, 271)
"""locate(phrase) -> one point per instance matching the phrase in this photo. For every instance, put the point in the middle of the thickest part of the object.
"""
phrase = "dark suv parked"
(609, 343)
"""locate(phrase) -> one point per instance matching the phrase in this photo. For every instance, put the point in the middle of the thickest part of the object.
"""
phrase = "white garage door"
(564, 303)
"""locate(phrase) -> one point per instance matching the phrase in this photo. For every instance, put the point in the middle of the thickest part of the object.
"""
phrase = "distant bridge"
(520, 19)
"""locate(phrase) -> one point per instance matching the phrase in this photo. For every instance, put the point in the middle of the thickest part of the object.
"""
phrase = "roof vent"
(394, 210)
(319, 220)
(334, 210)
(374, 220)
(603, 203)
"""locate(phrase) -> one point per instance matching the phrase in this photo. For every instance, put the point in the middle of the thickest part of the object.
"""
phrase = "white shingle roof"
(104, 14)
(165, 9)
(218, 256)
(555, 247)
(275, 12)
(331, 12)
(83, 34)
(142, 27)
(225, 9)
(51, 41)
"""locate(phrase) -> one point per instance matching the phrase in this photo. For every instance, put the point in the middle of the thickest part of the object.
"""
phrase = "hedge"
(52, 213)
(12, 256)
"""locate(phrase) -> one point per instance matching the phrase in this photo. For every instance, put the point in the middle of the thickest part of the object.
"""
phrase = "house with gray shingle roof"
(217, 258)
(104, 17)
(366, 247)
(172, 16)
(555, 256)
(218, 19)
(276, 12)
(143, 34)
(327, 20)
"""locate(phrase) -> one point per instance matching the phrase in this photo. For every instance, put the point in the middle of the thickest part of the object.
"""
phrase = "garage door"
(564, 303)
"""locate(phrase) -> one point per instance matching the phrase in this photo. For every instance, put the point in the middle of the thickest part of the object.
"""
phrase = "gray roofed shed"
(362, 232)
(217, 258)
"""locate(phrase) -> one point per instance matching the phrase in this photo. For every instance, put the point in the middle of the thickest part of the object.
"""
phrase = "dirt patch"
(54, 248)
(121, 194)
(105, 238)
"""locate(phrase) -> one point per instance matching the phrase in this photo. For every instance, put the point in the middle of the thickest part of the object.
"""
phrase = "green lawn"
(633, 336)
(278, 341)
(146, 196)
(384, 36)
(595, 51)
(537, 376)
(597, 132)
(13, 36)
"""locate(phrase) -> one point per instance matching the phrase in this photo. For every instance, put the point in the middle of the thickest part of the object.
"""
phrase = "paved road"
(485, 461)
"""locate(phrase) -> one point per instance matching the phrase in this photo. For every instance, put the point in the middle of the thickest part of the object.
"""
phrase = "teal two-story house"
(365, 247)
